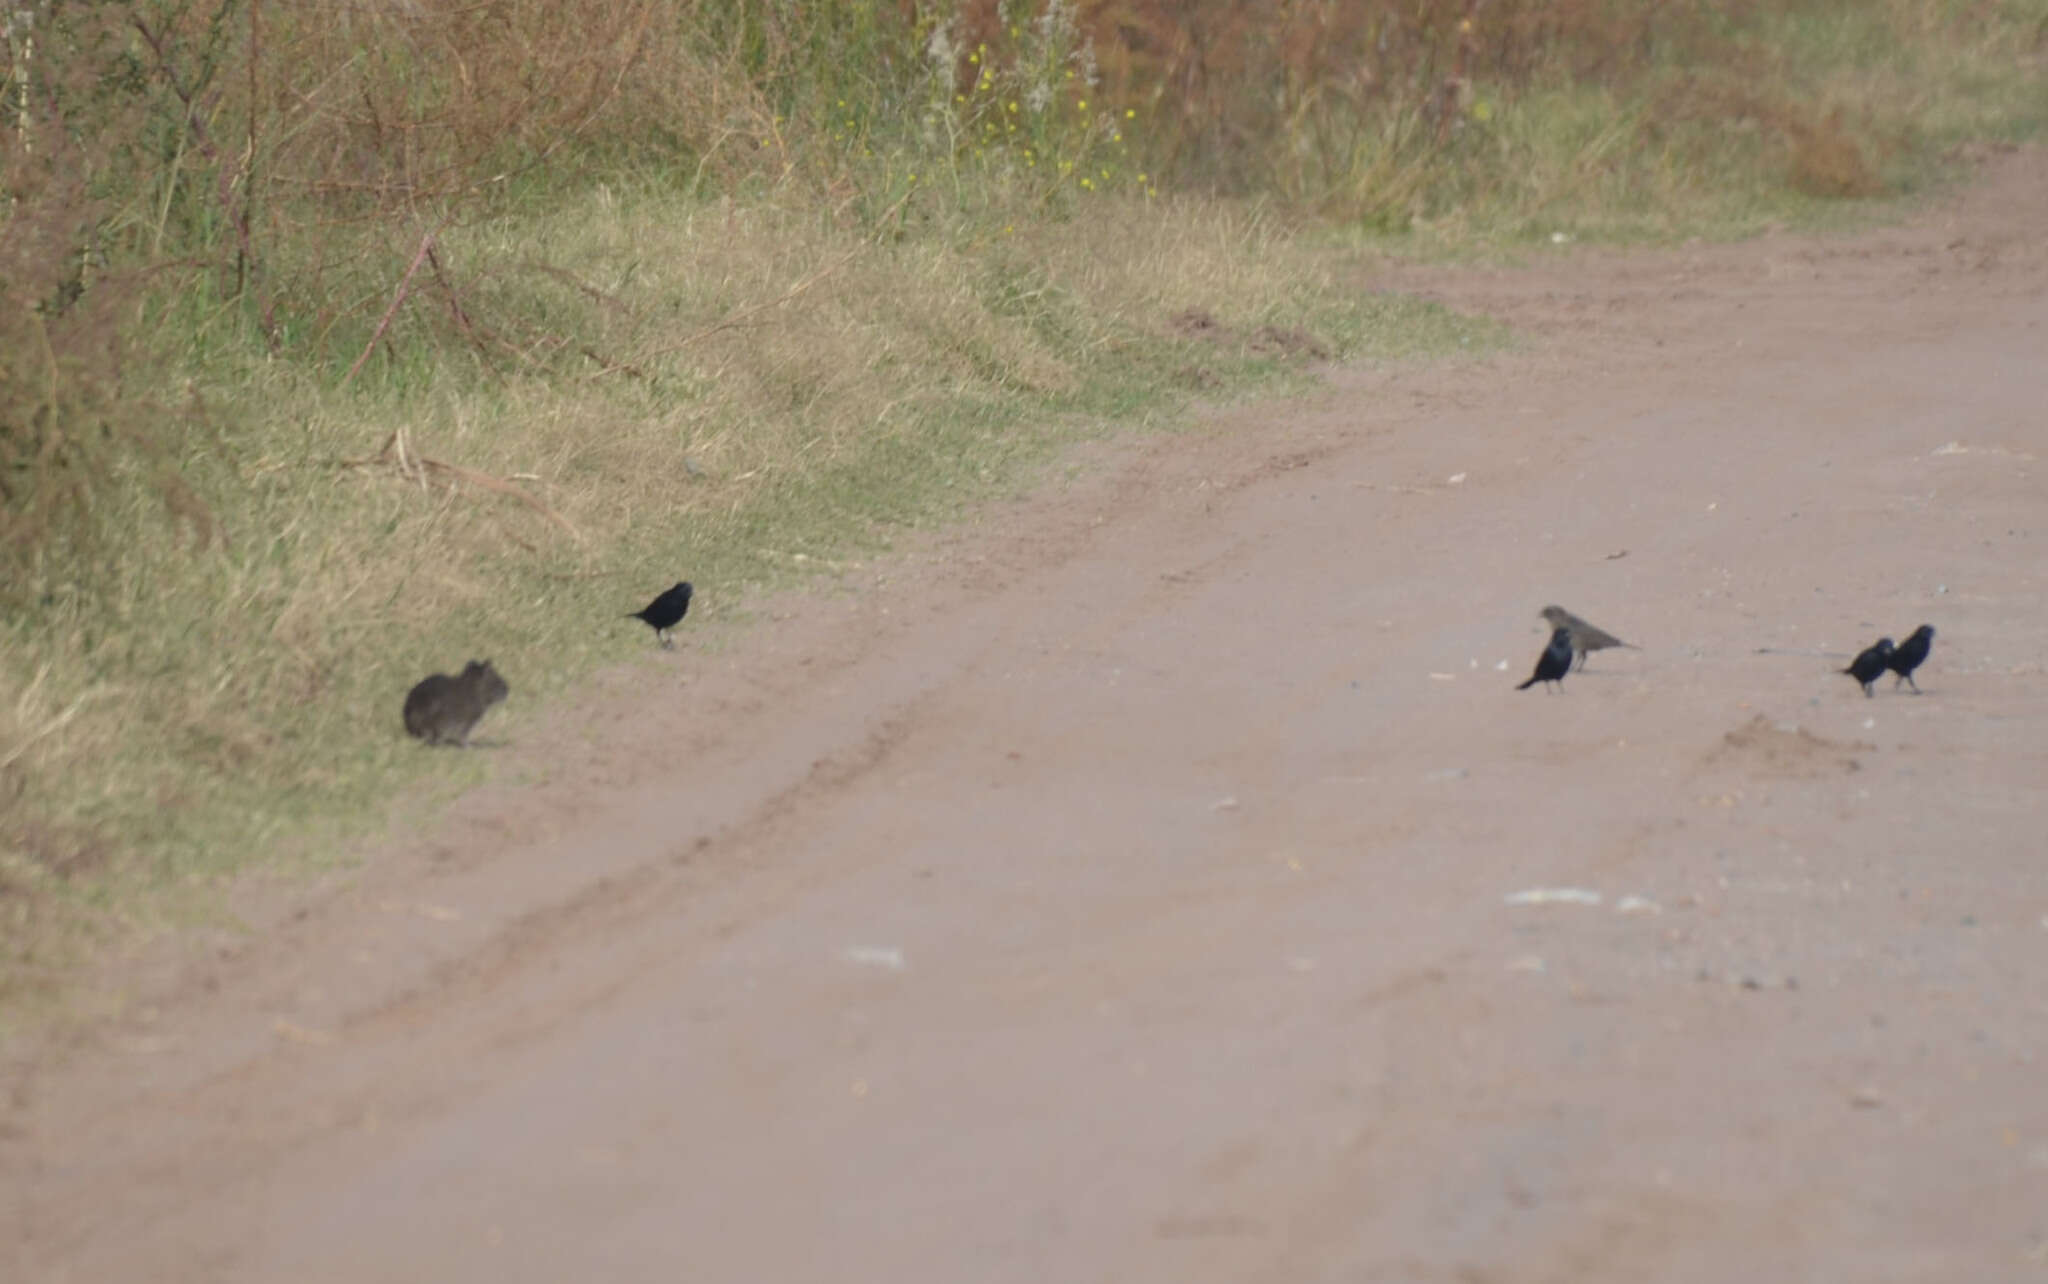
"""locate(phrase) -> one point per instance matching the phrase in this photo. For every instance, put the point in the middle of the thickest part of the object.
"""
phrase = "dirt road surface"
(1124, 886)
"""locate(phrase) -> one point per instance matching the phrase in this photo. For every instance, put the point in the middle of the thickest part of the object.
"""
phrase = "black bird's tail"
(1533, 680)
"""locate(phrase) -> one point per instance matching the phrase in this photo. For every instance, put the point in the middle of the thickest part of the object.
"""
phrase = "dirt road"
(1121, 888)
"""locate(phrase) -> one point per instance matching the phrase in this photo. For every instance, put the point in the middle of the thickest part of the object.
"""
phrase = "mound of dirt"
(1291, 343)
(1780, 749)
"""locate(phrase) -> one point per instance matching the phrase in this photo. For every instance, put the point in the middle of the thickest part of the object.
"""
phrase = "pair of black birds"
(1882, 657)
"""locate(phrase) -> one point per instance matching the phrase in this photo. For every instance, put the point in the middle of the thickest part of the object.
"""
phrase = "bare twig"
(397, 301)
(608, 365)
(580, 575)
(733, 320)
(570, 279)
(247, 265)
(454, 300)
(55, 724)
(397, 452)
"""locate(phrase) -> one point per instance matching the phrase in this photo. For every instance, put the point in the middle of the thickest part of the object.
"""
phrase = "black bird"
(1910, 655)
(1869, 666)
(1554, 663)
(665, 612)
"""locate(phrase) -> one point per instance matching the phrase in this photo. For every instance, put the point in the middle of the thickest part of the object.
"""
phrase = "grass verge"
(793, 391)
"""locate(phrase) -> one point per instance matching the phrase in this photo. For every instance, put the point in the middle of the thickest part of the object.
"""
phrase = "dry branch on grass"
(585, 288)
(52, 725)
(480, 338)
(397, 452)
(733, 320)
(397, 301)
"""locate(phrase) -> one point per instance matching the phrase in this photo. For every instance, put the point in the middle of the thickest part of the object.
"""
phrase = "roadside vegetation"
(342, 343)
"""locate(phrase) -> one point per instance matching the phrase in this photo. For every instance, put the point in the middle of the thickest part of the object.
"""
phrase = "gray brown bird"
(1554, 663)
(1585, 638)
(1870, 664)
(1910, 655)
